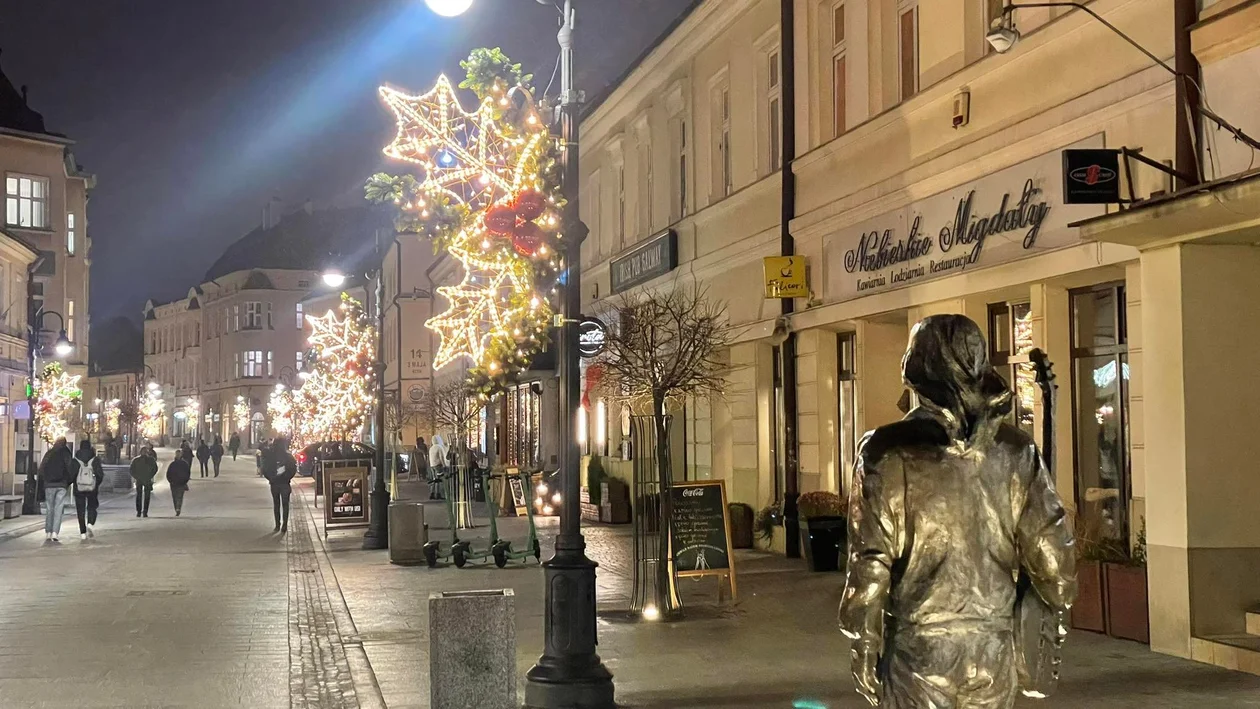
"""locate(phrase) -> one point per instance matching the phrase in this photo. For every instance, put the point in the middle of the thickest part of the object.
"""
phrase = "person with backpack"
(178, 473)
(87, 483)
(144, 468)
(56, 474)
(279, 467)
(216, 454)
(234, 444)
(203, 457)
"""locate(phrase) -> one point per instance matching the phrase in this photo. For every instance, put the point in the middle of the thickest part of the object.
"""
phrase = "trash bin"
(407, 533)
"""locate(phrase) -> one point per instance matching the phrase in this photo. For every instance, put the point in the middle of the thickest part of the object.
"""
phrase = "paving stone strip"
(319, 673)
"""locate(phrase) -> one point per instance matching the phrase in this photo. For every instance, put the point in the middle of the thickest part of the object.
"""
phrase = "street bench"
(12, 505)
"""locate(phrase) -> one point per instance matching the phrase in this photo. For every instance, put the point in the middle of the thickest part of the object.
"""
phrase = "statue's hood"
(947, 365)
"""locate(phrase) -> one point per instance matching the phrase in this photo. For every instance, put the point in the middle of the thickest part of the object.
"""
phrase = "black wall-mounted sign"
(592, 336)
(1091, 176)
(656, 257)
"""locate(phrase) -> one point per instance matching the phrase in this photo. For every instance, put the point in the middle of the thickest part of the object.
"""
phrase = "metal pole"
(30, 490)
(377, 535)
(570, 675)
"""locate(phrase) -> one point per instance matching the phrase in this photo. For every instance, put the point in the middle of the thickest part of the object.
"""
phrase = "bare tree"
(451, 407)
(666, 346)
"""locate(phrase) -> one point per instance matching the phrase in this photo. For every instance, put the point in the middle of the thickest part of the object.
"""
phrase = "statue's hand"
(865, 672)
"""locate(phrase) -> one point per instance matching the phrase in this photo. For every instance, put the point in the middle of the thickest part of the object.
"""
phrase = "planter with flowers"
(824, 530)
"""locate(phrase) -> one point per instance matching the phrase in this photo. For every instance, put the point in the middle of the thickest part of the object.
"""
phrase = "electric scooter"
(432, 549)
(501, 549)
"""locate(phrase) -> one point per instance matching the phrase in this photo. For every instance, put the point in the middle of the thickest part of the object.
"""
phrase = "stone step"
(1253, 622)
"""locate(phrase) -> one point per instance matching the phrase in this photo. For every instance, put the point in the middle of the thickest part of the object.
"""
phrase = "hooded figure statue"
(950, 509)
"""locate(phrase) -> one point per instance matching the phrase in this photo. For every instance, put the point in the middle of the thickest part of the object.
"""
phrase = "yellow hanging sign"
(786, 277)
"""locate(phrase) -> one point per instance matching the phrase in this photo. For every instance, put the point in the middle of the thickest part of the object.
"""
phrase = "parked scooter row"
(461, 551)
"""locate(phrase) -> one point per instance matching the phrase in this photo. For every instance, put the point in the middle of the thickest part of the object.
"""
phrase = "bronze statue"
(952, 515)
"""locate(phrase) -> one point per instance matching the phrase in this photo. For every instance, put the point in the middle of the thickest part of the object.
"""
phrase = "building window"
(300, 360)
(1100, 374)
(71, 233)
(301, 322)
(253, 315)
(778, 418)
(839, 71)
(679, 207)
(253, 363)
(1010, 341)
(236, 317)
(774, 108)
(70, 320)
(269, 325)
(270, 364)
(725, 180)
(645, 194)
(26, 201)
(227, 320)
(908, 49)
(236, 361)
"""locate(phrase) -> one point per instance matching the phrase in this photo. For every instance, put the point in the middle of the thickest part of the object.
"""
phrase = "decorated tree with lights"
(113, 416)
(240, 415)
(149, 417)
(282, 411)
(487, 191)
(56, 395)
(335, 401)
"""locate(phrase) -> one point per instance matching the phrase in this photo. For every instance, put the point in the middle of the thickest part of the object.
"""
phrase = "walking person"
(56, 474)
(186, 452)
(87, 483)
(203, 458)
(421, 466)
(178, 473)
(234, 444)
(279, 467)
(216, 454)
(437, 466)
(144, 468)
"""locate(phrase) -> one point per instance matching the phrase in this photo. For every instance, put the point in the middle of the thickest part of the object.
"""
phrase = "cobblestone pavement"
(206, 610)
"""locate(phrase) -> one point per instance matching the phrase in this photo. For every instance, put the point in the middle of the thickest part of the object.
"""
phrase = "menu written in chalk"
(701, 537)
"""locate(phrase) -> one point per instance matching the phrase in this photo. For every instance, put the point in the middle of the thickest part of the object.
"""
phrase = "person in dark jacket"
(234, 444)
(420, 464)
(56, 474)
(178, 473)
(144, 468)
(216, 454)
(186, 452)
(86, 498)
(203, 458)
(279, 467)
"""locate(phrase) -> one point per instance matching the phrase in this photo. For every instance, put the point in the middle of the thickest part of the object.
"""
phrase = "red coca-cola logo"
(1092, 175)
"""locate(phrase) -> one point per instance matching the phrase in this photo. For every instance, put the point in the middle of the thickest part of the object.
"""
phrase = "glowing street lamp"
(64, 347)
(334, 278)
(449, 8)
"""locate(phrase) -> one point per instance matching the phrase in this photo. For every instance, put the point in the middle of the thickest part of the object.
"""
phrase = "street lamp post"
(63, 347)
(377, 534)
(569, 674)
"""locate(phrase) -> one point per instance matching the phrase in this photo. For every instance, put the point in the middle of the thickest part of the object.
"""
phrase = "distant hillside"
(309, 239)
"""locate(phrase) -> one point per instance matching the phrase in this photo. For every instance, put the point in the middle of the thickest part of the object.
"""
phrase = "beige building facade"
(928, 179)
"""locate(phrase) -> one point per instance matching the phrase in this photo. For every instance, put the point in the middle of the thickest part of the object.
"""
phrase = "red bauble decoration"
(527, 239)
(530, 205)
(500, 220)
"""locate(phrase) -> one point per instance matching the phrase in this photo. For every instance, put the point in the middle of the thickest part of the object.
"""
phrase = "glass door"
(1100, 382)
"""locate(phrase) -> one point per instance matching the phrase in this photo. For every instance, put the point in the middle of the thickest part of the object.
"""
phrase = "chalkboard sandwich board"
(700, 530)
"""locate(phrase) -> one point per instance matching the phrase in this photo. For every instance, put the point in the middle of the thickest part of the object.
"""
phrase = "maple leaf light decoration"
(56, 394)
(492, 172)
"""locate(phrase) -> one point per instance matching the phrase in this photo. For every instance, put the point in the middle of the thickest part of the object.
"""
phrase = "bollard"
(472, 650)
(407, 533)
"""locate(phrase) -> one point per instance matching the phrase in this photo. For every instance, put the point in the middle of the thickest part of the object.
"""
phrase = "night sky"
(194, 113)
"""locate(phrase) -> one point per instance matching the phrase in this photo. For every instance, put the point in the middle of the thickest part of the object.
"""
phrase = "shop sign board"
(786, 276)
(700, 530)
(656, 257)
(1011, 214)
(345, 495)
(1091, 176)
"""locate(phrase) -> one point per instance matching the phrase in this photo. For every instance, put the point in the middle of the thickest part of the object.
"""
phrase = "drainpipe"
(1185, 14)
(787, 247)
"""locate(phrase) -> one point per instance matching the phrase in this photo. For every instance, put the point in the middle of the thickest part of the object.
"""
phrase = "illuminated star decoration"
(192, 409)
(56, 395)
(152, 410)
(280, 410)
(240, 414)
(489, 172)
(113, 415)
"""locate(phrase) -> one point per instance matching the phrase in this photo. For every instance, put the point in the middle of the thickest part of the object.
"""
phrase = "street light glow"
(153, 386)
(63, 348)
(334, 278)
(449, 8)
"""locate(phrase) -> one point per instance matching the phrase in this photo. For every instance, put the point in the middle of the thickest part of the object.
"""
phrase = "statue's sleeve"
(1046, 546)
(876, 534)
